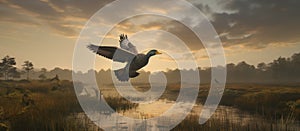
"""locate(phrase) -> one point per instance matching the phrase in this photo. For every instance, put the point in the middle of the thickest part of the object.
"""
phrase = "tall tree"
(13, 73)
(27, 66)
(7, 66)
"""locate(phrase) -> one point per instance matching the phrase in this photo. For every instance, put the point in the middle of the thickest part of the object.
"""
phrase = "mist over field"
(280, 71)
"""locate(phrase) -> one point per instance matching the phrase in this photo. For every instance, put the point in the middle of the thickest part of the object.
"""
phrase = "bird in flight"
(126, 54)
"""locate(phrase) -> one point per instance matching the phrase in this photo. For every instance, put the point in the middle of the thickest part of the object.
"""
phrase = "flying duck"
(126, 54)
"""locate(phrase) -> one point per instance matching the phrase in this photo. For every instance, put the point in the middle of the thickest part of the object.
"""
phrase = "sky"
(45, 31)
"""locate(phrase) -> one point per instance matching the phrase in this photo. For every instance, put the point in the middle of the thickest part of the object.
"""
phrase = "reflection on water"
(229, 116)
(149, 110)
(224, 114)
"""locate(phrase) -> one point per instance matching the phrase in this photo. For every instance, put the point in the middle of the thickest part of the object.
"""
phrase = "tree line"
(8, 68)
(281, 70)
(278, 71)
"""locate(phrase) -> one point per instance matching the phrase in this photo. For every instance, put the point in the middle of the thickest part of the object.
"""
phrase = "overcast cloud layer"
(251, 23)
(257, 23)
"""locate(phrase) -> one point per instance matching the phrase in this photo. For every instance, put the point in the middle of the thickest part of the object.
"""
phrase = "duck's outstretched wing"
(114, 53)
(127, 45)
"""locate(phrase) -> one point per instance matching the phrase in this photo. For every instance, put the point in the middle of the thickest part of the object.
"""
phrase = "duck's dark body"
(134, 61)
(139, 61)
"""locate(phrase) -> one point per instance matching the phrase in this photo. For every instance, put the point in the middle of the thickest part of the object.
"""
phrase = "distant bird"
(126, 54)
(217, 81)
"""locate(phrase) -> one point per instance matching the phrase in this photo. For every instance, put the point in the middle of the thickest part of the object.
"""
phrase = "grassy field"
(270, 101)
(277, 106)
(44, 105)
(37, 106)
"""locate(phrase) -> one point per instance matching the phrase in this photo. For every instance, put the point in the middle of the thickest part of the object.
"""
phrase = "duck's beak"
(157, 53)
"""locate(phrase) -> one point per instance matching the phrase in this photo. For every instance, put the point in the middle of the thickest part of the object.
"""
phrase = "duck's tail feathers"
(133, 74)
(122, 74)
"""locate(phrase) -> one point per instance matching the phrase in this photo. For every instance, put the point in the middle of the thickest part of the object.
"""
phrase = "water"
(224, 114)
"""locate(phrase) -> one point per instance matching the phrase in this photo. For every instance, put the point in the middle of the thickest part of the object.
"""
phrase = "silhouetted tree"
(43, 70)
(262, 66)
(279, 68)
(244, 71)
(13, 73)
(42, 76)
(296, 58)
(7, 66)
(27, 66)
(1, 75)
(295, 61)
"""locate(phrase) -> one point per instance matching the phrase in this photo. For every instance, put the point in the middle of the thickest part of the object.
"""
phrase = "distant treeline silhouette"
(281, 70)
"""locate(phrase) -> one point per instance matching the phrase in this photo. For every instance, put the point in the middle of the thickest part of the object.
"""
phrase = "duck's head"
(153, 52)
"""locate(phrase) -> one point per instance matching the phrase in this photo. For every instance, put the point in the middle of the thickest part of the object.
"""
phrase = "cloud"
(12, 15)
(258, 23)
(153, 23)
(250, 23)
(60, 15)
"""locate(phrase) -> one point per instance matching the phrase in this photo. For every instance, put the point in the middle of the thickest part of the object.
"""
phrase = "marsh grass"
(50, 108)
(191, 124)
(278, 106)
(47, 111)
(270, 101)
